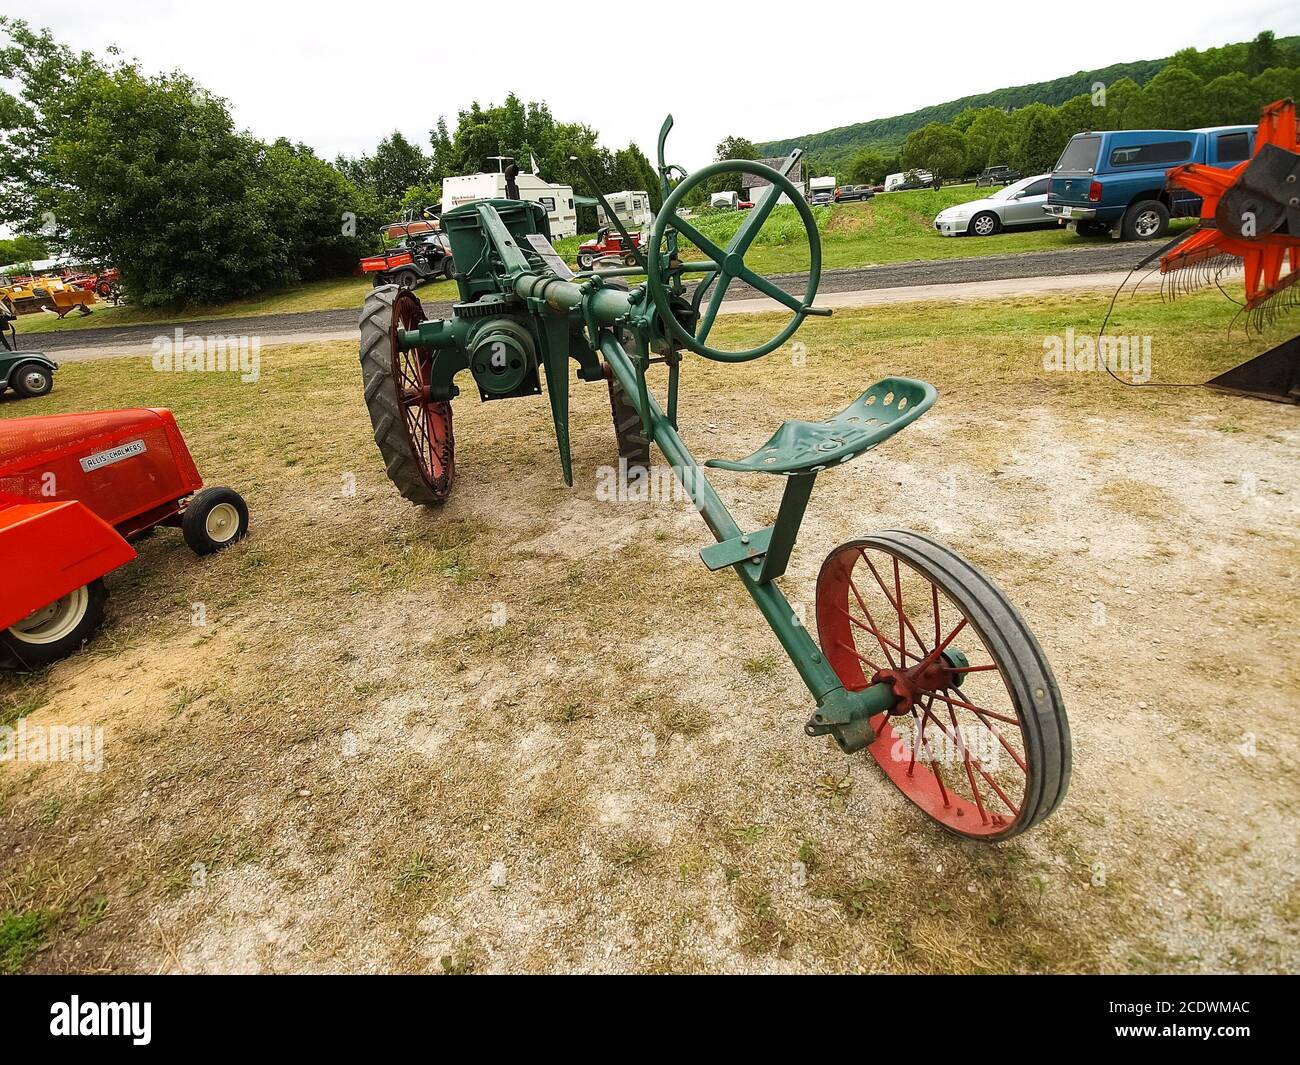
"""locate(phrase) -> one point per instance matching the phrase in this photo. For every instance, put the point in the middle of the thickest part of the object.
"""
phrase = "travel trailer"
(557, 199)
(631, 208)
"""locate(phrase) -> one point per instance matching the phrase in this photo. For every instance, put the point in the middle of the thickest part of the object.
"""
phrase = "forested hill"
(891, 132)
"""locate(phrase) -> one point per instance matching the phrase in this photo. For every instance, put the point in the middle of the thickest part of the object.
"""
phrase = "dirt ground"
(530, 731)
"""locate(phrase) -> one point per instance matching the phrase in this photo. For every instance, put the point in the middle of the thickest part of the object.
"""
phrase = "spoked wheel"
(413, 432)
(977, 737)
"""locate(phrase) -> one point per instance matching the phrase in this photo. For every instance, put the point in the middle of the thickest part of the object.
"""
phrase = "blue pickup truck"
(1115, 181)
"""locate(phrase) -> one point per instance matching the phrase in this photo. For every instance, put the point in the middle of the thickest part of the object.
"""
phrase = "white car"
(1020, 204)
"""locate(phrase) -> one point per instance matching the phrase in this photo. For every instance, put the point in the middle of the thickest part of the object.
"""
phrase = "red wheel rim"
(954, 741)
(428, 422)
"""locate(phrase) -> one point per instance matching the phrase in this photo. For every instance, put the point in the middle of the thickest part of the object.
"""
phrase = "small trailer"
(557, 200)
(632, 208)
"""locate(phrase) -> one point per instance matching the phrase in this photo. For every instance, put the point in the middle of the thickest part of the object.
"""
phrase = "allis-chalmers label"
(100, 459)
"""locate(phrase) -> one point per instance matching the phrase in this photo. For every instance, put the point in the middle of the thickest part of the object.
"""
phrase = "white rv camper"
(557, 199)
(632, 208)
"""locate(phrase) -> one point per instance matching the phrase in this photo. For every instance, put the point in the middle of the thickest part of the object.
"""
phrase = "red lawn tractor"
(75, 490)
(607, 245)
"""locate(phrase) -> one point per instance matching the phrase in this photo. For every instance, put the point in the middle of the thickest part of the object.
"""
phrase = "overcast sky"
(339, 76)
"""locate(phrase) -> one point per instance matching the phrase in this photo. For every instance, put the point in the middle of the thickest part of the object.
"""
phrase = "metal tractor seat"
(799, 451)
(800, 447)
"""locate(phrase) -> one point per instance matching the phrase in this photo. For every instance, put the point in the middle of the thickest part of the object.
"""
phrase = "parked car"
(1019, 204)
(997, 175)
(853, 192)
(1114, 181)
(820, 199)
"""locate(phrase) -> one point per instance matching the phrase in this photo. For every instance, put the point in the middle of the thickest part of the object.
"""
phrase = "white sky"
(341, 75)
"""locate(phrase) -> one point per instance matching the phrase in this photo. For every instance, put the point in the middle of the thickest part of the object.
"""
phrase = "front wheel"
(412, 430)
(984, 224)
(214, 519)
(1146, 220)
(55, 630)
(977, 736)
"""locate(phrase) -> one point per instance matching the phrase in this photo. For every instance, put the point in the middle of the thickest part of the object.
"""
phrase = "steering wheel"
(731, 262)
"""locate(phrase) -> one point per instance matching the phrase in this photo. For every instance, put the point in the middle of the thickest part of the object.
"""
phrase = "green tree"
(324, 221)
(1230, 100)
(1276, 83)
(1035, 139)
(1173, 99)
(22, 249)
(937, 148)
(1262, 53)
(868, 166)
(987, 139)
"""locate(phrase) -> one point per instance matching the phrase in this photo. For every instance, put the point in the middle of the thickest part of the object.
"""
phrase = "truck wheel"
(585, 261)
(1146, 220)
(215, 518)
(984, 224)
(56, 630)
(31, 379)
(405, 279)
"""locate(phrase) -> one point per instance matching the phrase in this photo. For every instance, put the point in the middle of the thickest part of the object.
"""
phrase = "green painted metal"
(747, 547)
(516, 320)
(876, 415)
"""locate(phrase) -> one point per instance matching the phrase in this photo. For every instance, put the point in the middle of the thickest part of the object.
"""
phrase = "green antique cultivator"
(922, 661)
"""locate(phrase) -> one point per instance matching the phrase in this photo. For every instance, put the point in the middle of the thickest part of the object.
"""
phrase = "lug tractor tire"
(633, 444)
(31, 379)
(984, 224)
(214, 519)
(414, 438)
(1146, 220)
(56, 630)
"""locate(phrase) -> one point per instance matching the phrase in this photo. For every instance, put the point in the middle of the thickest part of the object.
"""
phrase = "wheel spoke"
(753, 222)
(861, 658)
(769, 289)
(897, 605)
(977, 709)
(698, 239)
(715, 303)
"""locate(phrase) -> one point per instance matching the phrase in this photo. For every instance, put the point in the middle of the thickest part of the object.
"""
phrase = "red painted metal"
(1264, 256)
(74, 488)
(62, 545)
(428, 423)
(869, 634)
(73, 457)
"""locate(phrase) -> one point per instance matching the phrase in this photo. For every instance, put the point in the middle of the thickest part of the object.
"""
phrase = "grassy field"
(896, 227)
(530, 731)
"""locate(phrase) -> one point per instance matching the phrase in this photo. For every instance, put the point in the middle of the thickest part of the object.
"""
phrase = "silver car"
(1020, 204)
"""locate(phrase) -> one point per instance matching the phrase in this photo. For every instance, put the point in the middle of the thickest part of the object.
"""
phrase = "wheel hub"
(926, 677)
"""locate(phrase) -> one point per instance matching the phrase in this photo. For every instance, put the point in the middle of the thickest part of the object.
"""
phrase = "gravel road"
(1102, 257)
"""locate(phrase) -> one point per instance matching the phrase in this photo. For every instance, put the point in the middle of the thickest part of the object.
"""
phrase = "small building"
(753, 185)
